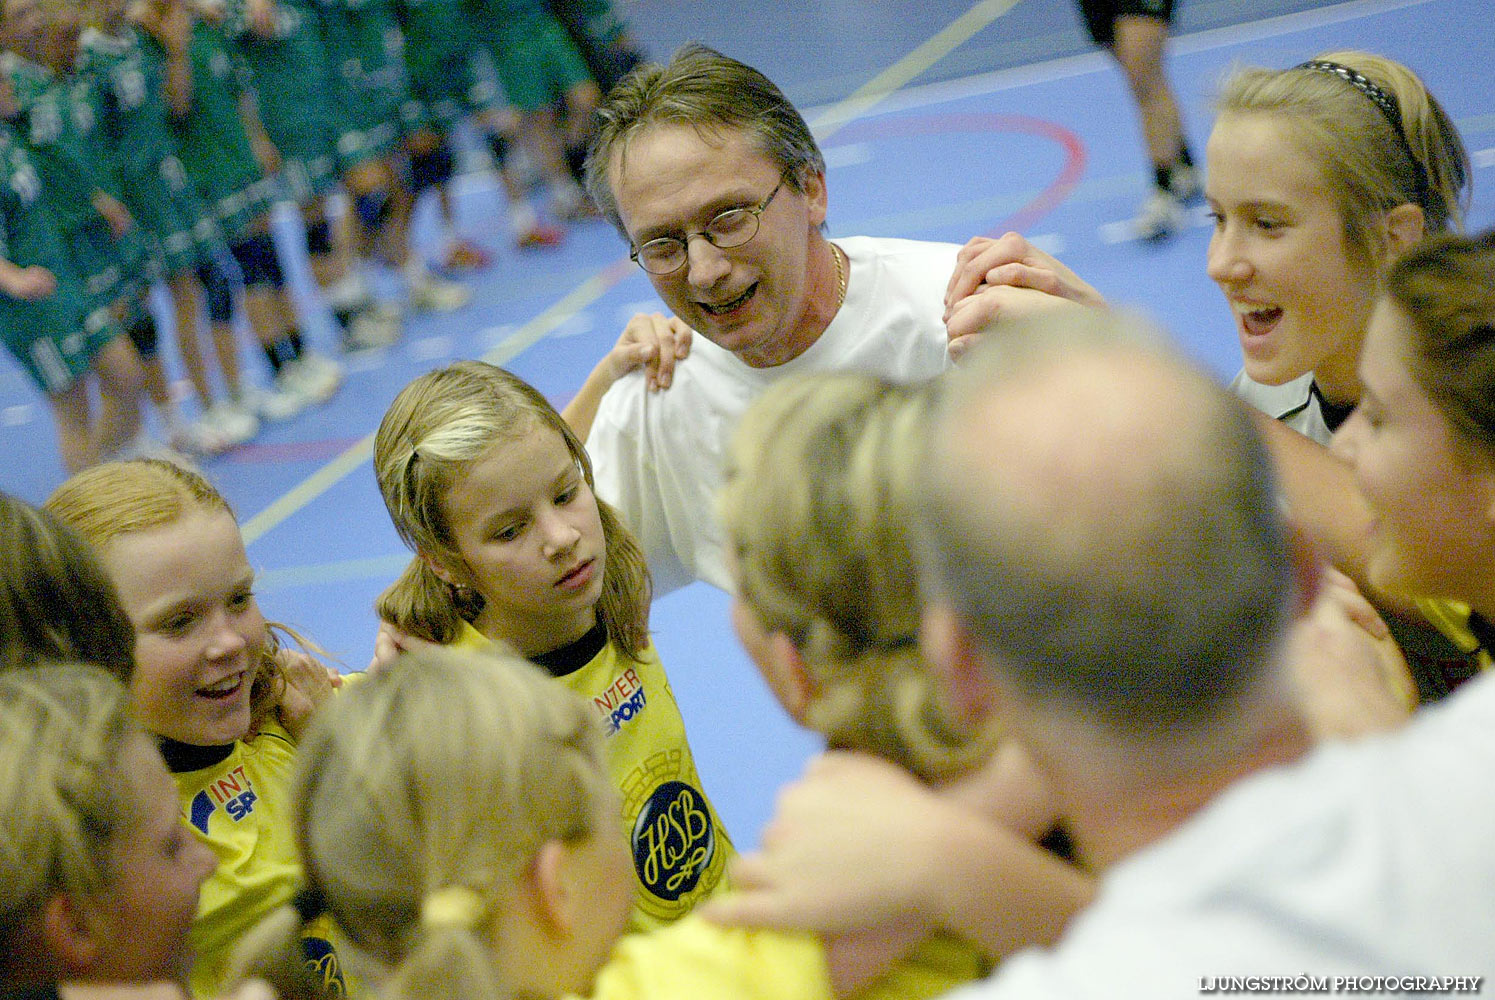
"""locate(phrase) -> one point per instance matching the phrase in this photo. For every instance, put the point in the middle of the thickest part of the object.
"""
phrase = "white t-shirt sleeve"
(623, 466)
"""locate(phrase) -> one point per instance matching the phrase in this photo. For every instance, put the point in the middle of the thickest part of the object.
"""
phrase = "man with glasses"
(715, 181)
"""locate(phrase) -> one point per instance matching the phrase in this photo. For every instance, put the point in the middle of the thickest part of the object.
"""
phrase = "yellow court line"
(861, 100)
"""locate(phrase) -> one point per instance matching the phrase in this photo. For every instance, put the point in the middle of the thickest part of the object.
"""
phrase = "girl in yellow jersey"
(210, 684)
(461, 830)
(490, 487)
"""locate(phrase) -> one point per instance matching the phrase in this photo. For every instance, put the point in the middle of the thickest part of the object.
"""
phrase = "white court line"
(1066, 67)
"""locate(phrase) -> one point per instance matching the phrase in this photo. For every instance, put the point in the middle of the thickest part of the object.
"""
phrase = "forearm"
(1007, 893)
(581, 411)
(1324, 501)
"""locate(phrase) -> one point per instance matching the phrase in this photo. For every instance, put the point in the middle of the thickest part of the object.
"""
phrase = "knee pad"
(143, 336)
(218, 286)
(319, 238)
(258, 262)
(372, 208)
(498, 145)
(431, 168)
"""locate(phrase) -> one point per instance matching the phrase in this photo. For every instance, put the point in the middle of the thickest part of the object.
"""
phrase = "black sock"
(293, 338)
(1162, 176)
(273, 356)
(1184, 156)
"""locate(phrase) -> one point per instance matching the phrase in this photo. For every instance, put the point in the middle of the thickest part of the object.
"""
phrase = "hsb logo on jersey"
(234, 792)
(320, 959)
(674, 840)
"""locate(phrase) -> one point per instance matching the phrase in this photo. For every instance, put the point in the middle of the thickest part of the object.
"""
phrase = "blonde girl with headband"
(1302, 241)
(211, 684)
(1318, 177)
(460, 828)
(101, 879)
(492, 489)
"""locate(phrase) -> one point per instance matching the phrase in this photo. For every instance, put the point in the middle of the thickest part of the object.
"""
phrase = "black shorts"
(1101, 15)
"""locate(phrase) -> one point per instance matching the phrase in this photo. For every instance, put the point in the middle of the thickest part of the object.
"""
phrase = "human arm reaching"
(653, 341)
(858, 845)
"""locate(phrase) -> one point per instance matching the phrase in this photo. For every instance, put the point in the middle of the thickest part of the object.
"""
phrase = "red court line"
(1046, 201)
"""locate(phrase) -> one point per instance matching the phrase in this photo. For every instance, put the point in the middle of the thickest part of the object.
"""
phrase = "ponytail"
(447, 958)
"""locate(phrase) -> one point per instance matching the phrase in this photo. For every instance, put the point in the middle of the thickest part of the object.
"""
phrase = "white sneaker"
(431, 293)
(317, 378)
(233, 422)
(1162, 215)
(197, 438)
(272, 404)
(371, 329)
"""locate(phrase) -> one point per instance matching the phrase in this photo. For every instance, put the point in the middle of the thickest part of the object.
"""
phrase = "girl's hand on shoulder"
(1350, 675)
(654, 342)
(308, 682)
(849, 849)
(973, 316)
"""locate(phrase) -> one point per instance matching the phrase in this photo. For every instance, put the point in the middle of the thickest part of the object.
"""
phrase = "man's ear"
(68, 936)
(816, 196)
(948, 646)
(1405, 227)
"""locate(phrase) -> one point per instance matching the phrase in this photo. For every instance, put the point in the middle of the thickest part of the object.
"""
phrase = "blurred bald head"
(1100, 520)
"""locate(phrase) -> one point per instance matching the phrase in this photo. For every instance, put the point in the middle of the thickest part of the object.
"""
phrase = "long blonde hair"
(1369, 165)
(423, 793)
(63, 796)
(434, 431)
(119, 498)
(819, 480)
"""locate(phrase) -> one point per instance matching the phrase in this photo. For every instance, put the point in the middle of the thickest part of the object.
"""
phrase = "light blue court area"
(941, 119)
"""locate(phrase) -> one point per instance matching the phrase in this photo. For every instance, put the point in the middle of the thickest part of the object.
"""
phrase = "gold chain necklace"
(837, 253)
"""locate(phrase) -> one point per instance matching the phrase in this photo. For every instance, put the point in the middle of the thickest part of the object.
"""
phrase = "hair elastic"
(452, 906)
(1389, 109)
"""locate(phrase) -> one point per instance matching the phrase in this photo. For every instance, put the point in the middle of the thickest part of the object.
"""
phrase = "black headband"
(1389, 108)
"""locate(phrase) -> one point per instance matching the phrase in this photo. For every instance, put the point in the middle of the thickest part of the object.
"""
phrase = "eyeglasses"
(726, 230)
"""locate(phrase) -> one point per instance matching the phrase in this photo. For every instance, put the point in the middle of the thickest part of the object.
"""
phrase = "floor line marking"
(906, 69)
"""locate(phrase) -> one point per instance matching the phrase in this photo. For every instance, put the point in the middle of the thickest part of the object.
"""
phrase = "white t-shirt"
(1294, 403)
(1368, 859)
(658, 456)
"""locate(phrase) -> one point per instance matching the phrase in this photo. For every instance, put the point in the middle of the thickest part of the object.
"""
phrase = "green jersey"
(54, 338)
(294, 82)
(137, 120)
(210, 138)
